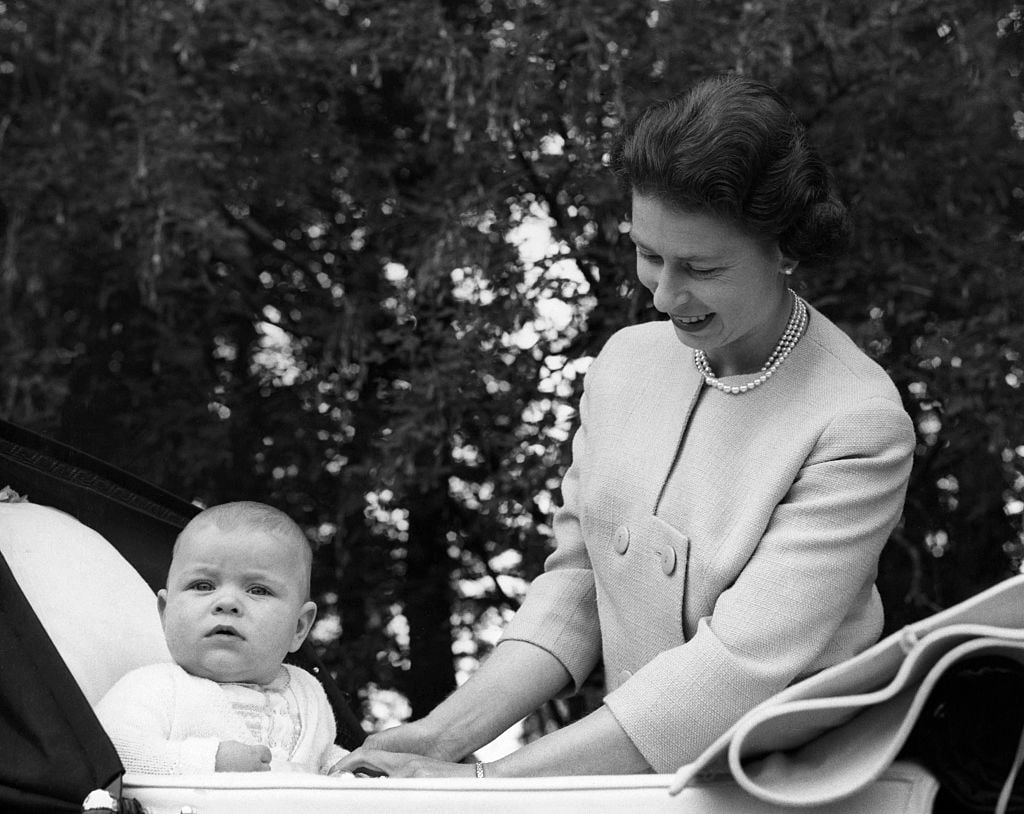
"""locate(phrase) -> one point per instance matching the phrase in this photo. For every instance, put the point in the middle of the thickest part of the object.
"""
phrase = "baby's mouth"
(223, 631)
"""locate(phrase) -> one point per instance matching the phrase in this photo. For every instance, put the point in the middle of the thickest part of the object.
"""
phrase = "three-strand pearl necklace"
(794, 330)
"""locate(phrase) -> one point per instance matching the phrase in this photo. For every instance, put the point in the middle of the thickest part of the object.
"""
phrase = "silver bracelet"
(479, 769)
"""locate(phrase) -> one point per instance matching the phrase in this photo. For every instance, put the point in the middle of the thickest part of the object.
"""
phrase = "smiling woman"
(736, 472)
(722, 288)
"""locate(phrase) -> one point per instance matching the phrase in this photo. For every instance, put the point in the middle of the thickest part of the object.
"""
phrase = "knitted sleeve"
(316, 748)
(138, 713)
(333, 754)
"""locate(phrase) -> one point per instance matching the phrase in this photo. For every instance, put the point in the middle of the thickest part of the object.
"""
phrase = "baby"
(236, 602)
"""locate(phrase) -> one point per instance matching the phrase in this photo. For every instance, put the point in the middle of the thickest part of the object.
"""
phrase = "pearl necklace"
(794, 330)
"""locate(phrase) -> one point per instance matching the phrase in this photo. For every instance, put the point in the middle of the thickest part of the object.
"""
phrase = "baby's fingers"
(263, 758)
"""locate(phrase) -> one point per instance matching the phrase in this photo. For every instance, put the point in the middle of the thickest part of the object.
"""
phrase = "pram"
(85, 545)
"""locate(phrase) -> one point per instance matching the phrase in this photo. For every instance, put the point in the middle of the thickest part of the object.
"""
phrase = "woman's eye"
(701, 272)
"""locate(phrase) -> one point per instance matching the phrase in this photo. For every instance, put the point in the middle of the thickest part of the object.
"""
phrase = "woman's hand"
(416, 738)
(521, 674)
(376, 762)
(233, 756)
(409, 750)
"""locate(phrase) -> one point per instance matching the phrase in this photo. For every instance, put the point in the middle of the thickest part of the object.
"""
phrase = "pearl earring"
(787, 269)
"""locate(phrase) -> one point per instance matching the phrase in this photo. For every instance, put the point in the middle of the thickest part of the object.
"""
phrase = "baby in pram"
(236, 602)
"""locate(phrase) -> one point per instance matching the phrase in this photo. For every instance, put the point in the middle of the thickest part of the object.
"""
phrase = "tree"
(251, 250)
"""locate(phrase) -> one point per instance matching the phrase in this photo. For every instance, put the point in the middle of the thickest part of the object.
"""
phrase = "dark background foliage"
(272, 250)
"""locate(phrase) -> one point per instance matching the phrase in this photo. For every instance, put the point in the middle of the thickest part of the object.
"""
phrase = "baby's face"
(235, 603)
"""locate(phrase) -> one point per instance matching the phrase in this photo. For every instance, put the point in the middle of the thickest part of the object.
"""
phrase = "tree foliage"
(276, 250)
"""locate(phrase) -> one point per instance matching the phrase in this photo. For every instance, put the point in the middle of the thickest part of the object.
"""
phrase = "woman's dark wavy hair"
(731, 146)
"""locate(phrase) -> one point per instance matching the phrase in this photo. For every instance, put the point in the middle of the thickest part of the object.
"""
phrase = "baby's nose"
(227, 603)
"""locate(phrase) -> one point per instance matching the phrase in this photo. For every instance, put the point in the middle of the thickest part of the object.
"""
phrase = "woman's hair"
(732, 147)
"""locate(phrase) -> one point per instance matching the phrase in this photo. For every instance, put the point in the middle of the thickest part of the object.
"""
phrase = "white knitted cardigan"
(163, 720)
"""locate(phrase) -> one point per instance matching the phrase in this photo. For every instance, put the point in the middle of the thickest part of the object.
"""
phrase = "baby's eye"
(260, 590)
(201, 585)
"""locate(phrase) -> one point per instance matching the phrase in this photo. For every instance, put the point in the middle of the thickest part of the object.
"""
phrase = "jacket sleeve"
(138, 713)
(560, 610)
(787, 612)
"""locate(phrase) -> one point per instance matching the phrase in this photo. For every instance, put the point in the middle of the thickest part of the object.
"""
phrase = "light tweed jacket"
(714, 548)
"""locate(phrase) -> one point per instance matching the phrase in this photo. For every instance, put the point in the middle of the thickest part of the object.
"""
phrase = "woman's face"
(721, 287)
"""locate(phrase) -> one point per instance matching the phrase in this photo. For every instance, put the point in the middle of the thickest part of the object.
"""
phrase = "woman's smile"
(694, 323)
(720, 286)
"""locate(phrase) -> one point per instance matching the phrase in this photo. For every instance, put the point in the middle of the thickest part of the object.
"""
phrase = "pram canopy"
(54, 750)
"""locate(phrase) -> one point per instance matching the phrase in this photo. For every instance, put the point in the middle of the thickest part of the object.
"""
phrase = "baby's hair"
(254, 515)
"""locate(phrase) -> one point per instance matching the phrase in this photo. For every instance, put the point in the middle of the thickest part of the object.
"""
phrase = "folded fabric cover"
(96, 609)
(54, 750)
(833, 734)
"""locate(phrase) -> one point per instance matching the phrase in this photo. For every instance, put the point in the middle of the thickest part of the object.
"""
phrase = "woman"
(736, 473)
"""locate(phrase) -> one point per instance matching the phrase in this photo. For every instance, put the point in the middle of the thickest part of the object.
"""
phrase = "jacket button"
(625, 676)
(668, 560)
(621, 541)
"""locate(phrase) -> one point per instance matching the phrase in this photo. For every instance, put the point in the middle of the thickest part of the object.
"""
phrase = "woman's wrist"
(444, 742)
(596, 744)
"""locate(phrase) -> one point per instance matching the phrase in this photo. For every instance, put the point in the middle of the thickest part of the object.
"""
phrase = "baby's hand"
(233, 756)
